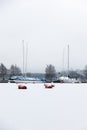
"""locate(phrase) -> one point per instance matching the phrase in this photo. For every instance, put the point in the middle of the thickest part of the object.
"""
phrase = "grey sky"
(48, 27)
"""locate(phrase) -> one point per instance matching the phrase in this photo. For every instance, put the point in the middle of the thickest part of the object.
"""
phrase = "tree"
(50, 73)
(15, 70)
(85, 71)
(12, 69)
(3, 71)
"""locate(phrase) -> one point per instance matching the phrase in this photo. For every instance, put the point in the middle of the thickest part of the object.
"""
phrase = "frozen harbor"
(63, 107)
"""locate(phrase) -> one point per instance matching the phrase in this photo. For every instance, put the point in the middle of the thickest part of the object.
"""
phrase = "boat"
(22, 79)
(66, 79)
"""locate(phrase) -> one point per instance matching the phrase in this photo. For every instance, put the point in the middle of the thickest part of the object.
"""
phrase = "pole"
(68, 60)
(63, 58)
(23, 56)
(26, 55)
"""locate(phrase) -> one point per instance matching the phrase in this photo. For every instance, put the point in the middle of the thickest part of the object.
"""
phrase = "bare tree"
(3, 71)
(50, 73)
(85, 71)
(12, 70)
(15, 70)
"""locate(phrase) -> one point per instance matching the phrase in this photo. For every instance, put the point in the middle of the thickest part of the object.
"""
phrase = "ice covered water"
(63, 107)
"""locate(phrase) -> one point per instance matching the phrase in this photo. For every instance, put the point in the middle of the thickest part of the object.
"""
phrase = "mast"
(23, 56)
(26, 55)
(63, 58)
(68, 60)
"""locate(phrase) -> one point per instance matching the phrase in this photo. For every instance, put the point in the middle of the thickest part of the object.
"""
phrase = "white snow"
(63, 107)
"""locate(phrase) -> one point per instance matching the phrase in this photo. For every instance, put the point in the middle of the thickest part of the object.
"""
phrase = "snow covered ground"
(63, 107)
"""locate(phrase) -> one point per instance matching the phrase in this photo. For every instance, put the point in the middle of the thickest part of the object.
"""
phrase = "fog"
(48, 27)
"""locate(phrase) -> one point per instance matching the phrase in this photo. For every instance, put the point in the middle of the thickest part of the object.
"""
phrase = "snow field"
(63, 107)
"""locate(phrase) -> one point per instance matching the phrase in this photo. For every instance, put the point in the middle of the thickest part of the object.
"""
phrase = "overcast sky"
(47, 27)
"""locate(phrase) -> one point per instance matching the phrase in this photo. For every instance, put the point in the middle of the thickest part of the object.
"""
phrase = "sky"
(47, 28)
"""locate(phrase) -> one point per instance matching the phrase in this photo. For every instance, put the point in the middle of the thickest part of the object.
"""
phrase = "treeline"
(50, 73)
(6, 73)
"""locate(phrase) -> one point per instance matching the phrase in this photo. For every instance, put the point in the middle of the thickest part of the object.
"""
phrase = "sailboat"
(66, 79)
(24, 78)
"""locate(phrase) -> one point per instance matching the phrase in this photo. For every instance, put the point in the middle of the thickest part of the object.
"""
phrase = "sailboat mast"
(23, 56)
(68, 60)
(26, 55)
